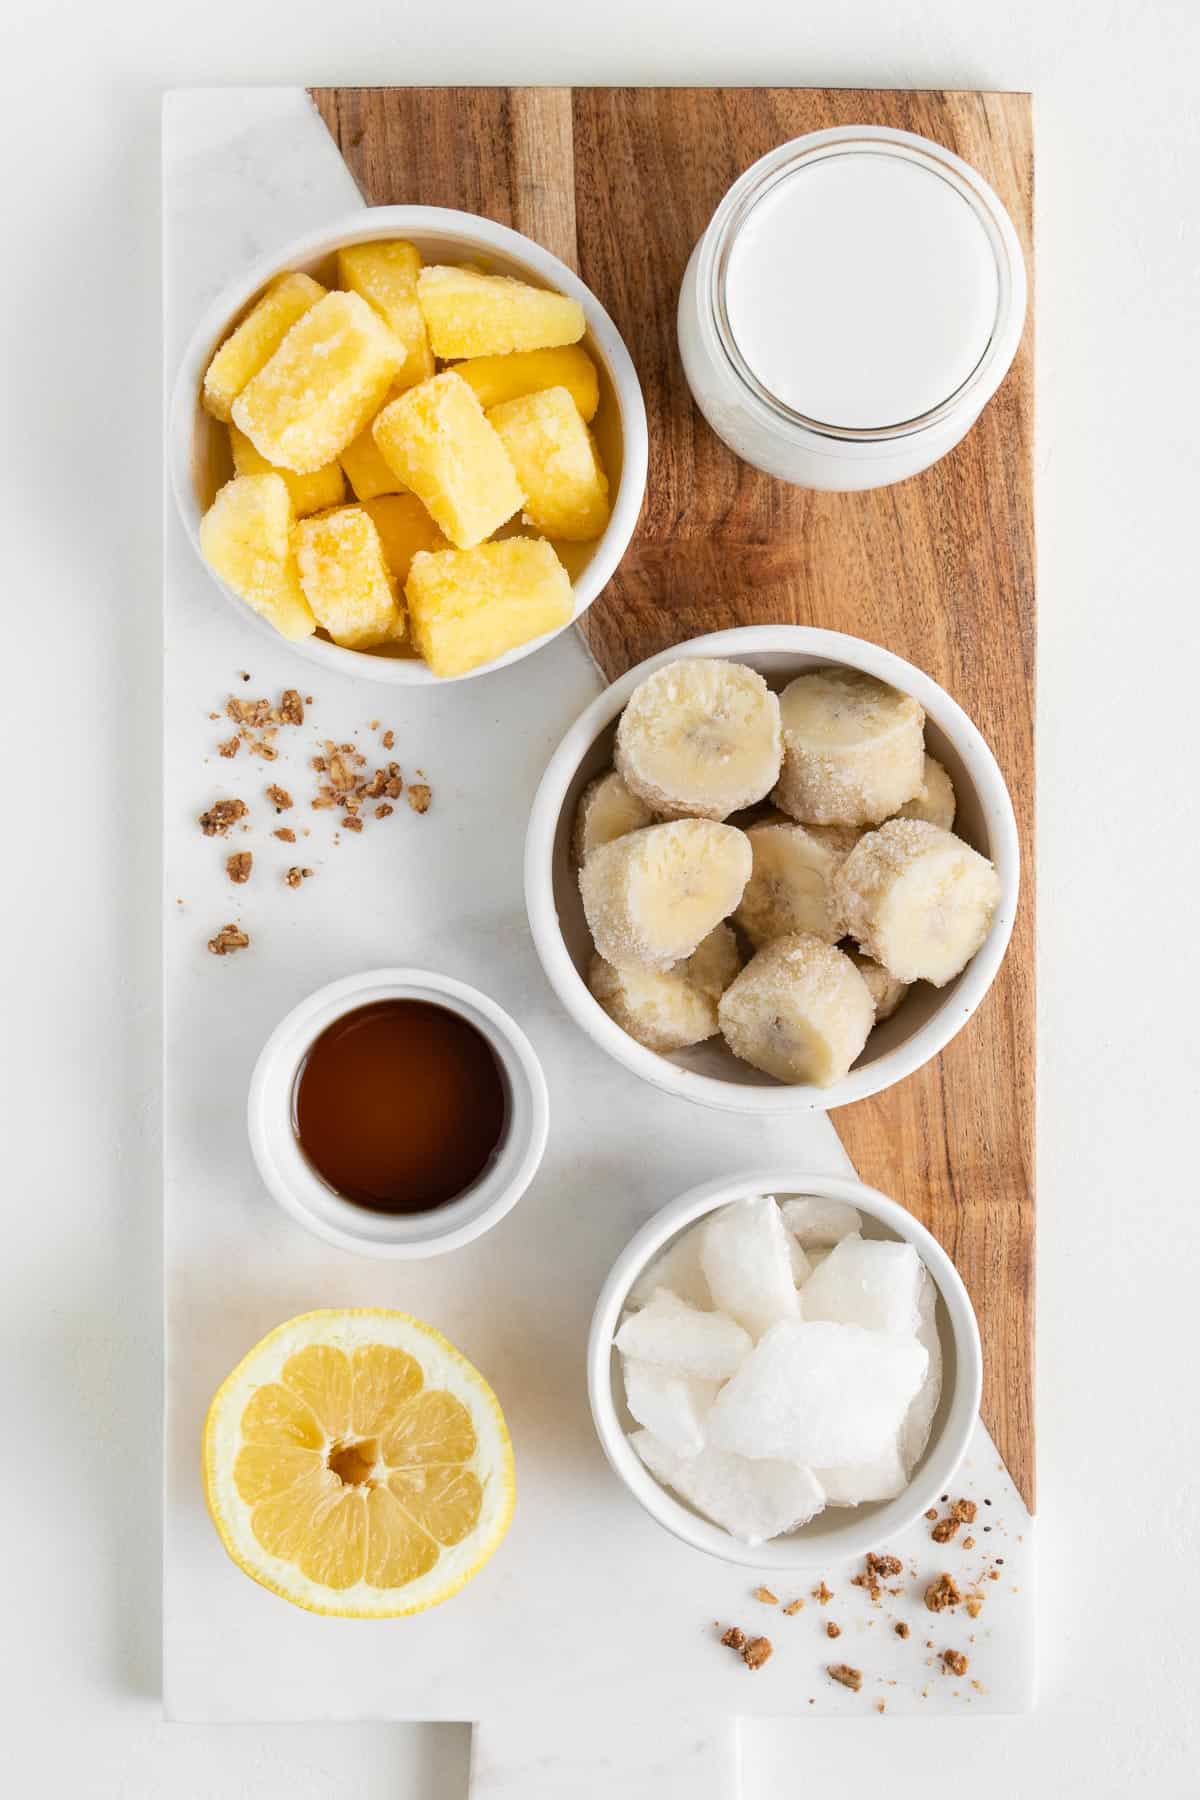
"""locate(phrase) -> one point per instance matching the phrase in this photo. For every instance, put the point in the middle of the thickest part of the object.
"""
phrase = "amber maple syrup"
(400, 1105)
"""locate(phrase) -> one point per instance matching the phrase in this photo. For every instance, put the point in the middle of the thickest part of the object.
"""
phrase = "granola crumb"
(883, 1564)
(285, 834)
(968, 1543)
(832, 1630)
(279, 797)
(843, 1673)
(239, 865)
(231, 746)
(420, 795)
(228, 939)
(388, 739)
(931, 1512)
(822, 1595)
(756, 1652)
(974, 1605)
(352, 823)
(964, 1511)
(295, 876)
(766, 1596)
(221, 815)
(955, 1662)
(291, 707)
(384, 811)
(255, 713)
(993, 1574)
(942, 1593)
(881, 1706)
(945, 1529)
(734, 1638)
(794, 1606)
(901, 1628)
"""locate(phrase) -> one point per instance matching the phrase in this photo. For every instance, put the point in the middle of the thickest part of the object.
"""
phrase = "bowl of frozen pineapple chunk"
(772, 870)
(784, 1366)
(412, 443)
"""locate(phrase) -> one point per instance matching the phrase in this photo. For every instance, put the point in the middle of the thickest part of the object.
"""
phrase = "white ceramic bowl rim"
(467, 230)
(869, 1078)
(878, 1522)
(306, 1198)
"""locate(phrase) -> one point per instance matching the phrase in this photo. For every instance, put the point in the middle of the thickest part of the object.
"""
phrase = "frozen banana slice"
(668, 1010)
(791, 888)
(886, 991)
(607, 810)
(700, 738)
(917, 899)
(799, 1010)
(935, 803)
(651, 896)
(853, 748)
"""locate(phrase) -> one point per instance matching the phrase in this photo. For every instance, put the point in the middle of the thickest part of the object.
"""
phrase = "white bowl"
(709, 1073)
(838, 1531)
(198, 449)
(293, 1182)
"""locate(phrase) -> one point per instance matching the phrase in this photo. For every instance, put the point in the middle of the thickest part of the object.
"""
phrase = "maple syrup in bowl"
(397, 1113)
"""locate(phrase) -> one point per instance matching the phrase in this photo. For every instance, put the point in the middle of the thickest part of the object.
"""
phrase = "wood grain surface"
(620, 182)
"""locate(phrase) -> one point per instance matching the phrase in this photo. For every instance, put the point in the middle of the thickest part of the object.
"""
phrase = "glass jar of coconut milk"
(854, 304)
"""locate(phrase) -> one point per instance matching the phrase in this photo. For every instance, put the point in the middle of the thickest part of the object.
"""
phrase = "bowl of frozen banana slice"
(772, 870)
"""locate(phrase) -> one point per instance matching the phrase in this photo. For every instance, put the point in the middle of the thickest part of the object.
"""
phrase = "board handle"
(575, 1758)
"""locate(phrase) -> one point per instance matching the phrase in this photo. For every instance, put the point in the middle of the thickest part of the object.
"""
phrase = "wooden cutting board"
(620, 182)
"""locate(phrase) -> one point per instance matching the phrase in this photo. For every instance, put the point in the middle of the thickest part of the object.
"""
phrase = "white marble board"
(590, 1615)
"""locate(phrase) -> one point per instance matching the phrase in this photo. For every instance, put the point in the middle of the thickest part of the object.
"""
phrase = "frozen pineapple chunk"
(469, 314)
(310, 493)
(552, 450)
(246, 539)
(386, 277)
(499, 378)
(469, 606)
(346, 580)
(256, 339)
(367, 468)
(438, 440)
(404, 527)
(332, 371)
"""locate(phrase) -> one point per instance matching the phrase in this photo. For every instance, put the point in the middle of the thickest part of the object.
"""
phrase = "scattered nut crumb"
(974, 1605)
(964, 1511)
(279, 797)
(735, 1638)
(248, 712)
(239, 865)
(883, 1565)
(832, 1630)
(794, 1606)
(295, 876)
(756, 1652)
(285, 834)
(352, 823)
(955, 1662)
(221, 815)
(901, 1628)
(942, 1593)
(388, 739)
(291, 708)
(766, 1596)
(945, 1529)
(384, 811)
(851, 1678)
(822, 1595)
(231, 746)
(968, 1543)
(420, 794)
(931, 1512)
(228, 939)
(881, 1706)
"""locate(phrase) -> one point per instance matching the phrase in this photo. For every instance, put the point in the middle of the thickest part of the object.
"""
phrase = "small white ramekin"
(838, 1531)
(198, 459)
(709, 1073)
(293, 1182)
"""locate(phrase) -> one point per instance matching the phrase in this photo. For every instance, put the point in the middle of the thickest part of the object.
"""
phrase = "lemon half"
(356, 1463)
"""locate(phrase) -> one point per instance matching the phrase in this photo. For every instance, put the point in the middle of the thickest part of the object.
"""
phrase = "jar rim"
(781, 164)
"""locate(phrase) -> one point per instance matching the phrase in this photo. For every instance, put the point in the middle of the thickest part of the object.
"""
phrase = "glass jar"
(855, 302)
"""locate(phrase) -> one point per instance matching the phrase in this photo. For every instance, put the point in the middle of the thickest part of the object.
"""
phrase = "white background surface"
(1119, 386)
